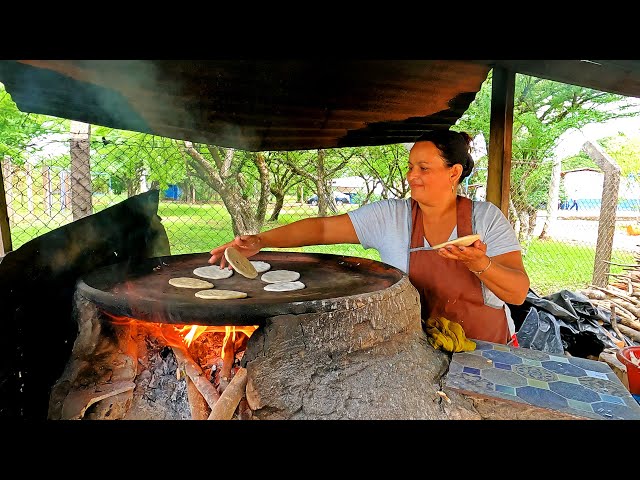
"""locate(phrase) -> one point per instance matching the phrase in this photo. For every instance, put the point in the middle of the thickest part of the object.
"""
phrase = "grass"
(551, 265)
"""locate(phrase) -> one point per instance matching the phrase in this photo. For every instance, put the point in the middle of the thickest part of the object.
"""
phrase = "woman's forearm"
(507, 279)
(310, 231)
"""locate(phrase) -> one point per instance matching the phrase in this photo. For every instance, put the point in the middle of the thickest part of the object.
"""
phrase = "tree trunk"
(278, 206)
(80, 170)
(554, 195)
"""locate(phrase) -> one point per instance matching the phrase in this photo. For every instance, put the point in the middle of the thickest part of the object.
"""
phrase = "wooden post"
(608, 208)
(80, 170)
(500, 132)
(5, 229)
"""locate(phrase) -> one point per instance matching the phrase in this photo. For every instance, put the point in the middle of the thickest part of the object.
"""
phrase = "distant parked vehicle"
(339, 197)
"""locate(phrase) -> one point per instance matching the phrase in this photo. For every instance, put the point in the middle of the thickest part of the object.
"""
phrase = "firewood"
(623, 299)
(630, 332)
(192, 369)
(630, 323)
(230, 398)
(77, 402)
(618, 293)
(197, 403)
(622, 264)
(620, 341)
(594, 294)
(228, 357)
(621, 311)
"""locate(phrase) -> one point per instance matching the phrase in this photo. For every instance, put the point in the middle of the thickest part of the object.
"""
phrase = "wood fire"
(120, 367)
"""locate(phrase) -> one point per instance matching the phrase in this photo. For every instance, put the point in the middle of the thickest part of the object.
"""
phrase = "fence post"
(608, 211)
(81, 205)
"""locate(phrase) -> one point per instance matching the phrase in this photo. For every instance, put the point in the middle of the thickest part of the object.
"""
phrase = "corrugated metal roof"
(294, 104)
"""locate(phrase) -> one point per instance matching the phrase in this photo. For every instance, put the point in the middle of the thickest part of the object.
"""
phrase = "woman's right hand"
(247, 245)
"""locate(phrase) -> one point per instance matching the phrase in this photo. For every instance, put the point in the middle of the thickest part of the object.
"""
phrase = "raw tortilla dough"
(283, 286)
(220, 294)
(275, 276)
(189, 282)
(213, 271)
(260, 267)
(240, 263)
(460, 241)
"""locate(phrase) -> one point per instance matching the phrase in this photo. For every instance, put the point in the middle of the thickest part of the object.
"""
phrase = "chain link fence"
(208, 194)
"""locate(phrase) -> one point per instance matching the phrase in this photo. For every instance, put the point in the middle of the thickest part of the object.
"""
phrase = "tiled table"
(572, 385)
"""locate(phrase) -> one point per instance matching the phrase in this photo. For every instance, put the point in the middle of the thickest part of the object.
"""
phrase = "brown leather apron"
(447, 288)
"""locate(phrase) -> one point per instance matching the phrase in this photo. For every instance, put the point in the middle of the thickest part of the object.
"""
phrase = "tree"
(319, 169)
(386, 165)
(543, 111)
(130, 159)
(19, 132)
(283, 178)
(625, 150)
(223, 170)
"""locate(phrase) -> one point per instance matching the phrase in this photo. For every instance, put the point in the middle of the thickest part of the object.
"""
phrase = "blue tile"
(502, 357)
(505, 389)
(531, 354)
(593, 365)
(481, 345)
(542, 398)
(503, 366)
(574, 391)
(591, 373)
(616, 412)
(612, 399)
(472, 371)
(564, 368)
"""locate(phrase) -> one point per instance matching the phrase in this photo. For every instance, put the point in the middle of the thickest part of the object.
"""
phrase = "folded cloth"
(448, 336)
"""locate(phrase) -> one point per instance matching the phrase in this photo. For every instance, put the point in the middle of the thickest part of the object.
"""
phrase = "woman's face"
(429, 177)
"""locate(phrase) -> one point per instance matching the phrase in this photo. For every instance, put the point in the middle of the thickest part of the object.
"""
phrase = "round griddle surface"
(142, 291)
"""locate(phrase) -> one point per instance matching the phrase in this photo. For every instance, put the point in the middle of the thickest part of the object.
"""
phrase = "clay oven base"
(367, 359)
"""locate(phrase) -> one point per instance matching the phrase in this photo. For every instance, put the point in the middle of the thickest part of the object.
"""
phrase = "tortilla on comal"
(189, 282)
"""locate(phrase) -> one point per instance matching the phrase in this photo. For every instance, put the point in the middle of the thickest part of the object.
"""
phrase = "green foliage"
(543, 111)
(625, 150)
(22, 135)
(127, 156)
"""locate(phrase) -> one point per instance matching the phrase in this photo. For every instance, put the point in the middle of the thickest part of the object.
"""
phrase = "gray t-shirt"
(386, 226)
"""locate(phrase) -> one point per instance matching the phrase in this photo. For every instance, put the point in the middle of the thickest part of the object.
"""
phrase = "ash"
(161, 389)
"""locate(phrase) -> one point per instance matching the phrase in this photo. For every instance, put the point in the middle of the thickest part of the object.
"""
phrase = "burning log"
(233, 342)
(192, 369)
(197, 403)
(230, 398)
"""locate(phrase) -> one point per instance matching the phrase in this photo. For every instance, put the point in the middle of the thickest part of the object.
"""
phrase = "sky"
(571, 142)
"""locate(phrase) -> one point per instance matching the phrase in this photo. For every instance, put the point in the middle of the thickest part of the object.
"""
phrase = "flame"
(189, 333)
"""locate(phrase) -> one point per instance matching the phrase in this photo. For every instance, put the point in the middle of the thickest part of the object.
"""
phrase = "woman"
(468, 285)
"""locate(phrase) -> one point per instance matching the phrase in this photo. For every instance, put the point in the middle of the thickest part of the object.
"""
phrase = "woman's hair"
(454, 148)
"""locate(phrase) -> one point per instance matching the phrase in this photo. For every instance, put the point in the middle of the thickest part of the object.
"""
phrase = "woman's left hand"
(474, 256)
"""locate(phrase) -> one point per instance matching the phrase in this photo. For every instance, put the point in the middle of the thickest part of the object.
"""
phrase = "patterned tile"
(576, 386)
